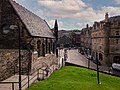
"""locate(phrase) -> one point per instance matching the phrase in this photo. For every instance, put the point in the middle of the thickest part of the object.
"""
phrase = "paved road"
(76, 58)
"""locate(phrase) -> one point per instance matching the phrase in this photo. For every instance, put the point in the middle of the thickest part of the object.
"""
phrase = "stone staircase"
(12, 82)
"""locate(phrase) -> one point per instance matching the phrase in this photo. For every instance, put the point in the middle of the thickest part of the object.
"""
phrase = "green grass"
(75, 78)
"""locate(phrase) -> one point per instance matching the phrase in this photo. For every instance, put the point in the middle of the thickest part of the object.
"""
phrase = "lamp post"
(97, 70)
(13, 27)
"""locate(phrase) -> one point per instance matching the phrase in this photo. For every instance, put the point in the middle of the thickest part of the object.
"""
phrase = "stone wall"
(40, 62)
(9, 62)
(9, 59)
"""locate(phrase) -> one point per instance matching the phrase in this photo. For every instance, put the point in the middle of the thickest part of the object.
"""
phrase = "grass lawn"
(76, 78)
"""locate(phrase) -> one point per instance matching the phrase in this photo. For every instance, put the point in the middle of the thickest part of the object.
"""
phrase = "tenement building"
(105, 37)
(22, 30)
(86, 40)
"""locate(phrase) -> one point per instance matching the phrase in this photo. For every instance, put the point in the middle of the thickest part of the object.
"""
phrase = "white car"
(116, 66)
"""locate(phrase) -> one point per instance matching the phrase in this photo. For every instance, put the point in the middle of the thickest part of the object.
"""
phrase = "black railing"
(34, 74)
(12, 84)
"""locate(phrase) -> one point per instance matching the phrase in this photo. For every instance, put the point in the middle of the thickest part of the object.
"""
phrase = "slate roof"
(35, 25)
(114, 19)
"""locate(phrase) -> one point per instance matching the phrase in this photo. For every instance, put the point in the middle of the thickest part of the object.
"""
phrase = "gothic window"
(46, 43)
(49, 47)
(38, 47)
(43, 49)
(117, 32)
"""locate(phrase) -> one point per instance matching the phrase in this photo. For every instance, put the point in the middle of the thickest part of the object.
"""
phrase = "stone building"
(86, 42)
(76, 38)
(64, 38)
(106, 40)
(20, 28)
(69, 38)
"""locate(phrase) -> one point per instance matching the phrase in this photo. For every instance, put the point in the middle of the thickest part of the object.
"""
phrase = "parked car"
(116, 66)
(95, 61)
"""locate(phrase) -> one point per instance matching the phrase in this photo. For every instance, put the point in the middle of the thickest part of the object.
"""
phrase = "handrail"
(33, 76)
(35, 73)
(7, 82)
(13, 83)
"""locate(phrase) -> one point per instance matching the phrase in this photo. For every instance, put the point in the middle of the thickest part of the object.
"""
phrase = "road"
(76, 58)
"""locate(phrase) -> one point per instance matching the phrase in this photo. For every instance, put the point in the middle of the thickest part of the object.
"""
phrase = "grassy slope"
(75, 78)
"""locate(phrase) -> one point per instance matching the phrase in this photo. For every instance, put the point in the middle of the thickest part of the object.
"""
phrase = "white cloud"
(73, 9)
(63, 8)
(117, 1)
(76, 9)
(60, 24)
(111, 10)
(63, 5)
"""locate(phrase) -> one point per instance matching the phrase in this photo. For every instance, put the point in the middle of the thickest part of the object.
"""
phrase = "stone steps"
(24, 79)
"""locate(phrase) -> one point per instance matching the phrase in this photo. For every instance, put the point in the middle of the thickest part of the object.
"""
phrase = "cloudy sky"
(72, 14)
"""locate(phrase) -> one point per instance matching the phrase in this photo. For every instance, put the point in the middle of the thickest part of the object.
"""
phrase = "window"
(117, 49)
(117, 32)
(5, 29)
(46, 43)
(38, 48)
(117, 41)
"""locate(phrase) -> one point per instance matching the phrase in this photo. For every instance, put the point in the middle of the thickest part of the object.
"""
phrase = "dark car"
(95, 61)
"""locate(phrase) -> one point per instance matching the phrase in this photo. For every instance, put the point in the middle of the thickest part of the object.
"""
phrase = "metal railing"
(33, 76)
(36, 74)
(12, 83)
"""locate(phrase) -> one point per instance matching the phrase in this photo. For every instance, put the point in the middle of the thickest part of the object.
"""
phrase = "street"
(76, 58)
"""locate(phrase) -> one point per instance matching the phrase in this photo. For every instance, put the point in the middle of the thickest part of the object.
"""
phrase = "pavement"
(76, 58)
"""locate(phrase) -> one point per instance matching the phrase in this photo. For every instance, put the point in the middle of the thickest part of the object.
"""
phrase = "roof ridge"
(34, 24)
(25, 8)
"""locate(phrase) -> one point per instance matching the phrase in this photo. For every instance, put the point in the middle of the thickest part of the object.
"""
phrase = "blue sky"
(72, 14)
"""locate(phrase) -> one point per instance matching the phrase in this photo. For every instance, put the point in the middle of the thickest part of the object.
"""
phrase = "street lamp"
(97, 70)
(13, 27)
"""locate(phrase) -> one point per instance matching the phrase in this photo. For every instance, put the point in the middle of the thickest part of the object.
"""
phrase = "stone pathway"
(24, 78)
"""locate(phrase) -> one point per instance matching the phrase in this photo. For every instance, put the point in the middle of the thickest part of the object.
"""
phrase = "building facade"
(69, 38)
(76, 38)
(20, 28)
(105, 37)
(86, 43)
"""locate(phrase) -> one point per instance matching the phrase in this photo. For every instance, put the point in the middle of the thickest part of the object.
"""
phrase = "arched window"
(38, 47)
(43, 49)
